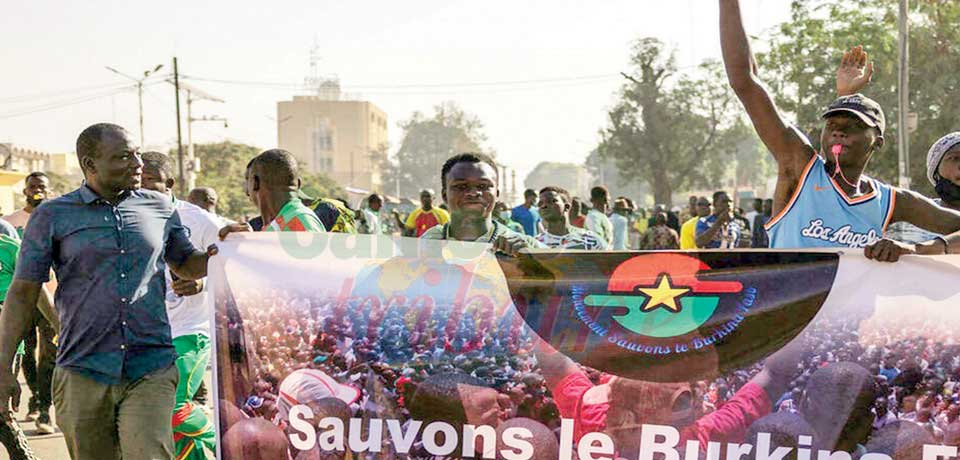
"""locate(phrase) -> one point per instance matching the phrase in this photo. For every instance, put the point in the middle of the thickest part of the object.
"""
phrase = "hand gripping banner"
(349, 346)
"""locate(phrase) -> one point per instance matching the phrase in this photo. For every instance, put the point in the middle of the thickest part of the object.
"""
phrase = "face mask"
(505, 215)
(949, 191)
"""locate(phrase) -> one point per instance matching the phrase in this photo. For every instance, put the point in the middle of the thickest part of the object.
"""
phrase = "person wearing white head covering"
(943, 172)
(943, 169)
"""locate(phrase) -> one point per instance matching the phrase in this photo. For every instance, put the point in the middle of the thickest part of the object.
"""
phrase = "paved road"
(51, 447)
(47, 447)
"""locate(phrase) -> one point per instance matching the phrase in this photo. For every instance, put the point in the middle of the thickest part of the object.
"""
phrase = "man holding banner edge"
(469, 182)
(808, 183)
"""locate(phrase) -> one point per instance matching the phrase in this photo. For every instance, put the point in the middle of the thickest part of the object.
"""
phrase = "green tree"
(428, 142)
(223, 167)
(752, 165)
(605, 171)
(569, 176)
(666, 126)
(803, 54)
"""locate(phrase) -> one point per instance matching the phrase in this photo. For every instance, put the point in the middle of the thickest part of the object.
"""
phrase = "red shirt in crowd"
(728, 423)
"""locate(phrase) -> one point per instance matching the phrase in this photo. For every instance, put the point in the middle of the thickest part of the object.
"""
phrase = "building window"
(322, 136)
(321, 143)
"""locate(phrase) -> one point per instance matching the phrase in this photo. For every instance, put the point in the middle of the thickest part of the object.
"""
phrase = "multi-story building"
(344, 139)
(17, 162)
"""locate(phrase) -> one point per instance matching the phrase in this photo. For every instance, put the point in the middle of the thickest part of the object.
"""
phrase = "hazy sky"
(402, 56)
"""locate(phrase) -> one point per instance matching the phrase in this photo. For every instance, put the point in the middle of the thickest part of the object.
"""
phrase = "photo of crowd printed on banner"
(349, 346)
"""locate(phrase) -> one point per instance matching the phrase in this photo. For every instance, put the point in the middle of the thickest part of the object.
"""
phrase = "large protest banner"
(349, 346)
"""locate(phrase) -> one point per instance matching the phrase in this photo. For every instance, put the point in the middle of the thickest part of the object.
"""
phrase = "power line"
(285, 85)
(63, 92)
(65, 103)
(28, 97)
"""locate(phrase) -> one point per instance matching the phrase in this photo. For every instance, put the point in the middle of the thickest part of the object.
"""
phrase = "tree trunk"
(662, 191)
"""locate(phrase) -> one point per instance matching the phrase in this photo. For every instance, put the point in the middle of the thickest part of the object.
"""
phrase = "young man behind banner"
(273, 184)
(469, 183)
(189, 309)
(554, 207)
(822, 199)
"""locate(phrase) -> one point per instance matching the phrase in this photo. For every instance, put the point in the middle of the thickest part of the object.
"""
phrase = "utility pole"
(194, 94)
(146, 73)
(176, 93)
(903, 132)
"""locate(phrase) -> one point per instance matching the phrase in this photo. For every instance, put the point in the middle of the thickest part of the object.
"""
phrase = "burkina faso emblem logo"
(669, 316)
(663, 295)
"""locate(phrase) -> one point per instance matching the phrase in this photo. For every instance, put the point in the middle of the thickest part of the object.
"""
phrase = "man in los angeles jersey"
(554, 207)
(426, 216)
(822, 199)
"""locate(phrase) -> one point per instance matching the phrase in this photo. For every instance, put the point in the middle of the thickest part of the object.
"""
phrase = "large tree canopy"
(223, 166)
(427, 142)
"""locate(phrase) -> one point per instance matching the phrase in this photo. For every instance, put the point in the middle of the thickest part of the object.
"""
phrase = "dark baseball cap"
(866, 109)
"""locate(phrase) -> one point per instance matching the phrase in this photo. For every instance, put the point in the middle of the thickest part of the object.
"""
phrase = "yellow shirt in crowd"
(688, 234)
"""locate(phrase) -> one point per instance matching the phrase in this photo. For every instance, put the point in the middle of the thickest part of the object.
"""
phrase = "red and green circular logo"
(662, 295)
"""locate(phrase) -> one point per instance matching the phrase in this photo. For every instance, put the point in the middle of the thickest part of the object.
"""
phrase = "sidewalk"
(47, 447)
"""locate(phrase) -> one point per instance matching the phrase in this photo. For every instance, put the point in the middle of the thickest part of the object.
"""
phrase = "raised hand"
(854, 72)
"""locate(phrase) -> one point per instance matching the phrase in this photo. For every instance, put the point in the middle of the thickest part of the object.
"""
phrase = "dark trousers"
(39, 361)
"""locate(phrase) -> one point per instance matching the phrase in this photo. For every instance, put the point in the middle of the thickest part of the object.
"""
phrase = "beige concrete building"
(13, 158)
(344, 139)
(17, 162)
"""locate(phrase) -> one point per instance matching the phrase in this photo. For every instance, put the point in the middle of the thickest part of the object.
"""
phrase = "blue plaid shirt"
(110, 263)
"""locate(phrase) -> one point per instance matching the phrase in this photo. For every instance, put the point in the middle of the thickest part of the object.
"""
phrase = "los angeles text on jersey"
(844, 235)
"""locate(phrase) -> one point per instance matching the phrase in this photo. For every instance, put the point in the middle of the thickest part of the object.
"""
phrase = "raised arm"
(789, 149)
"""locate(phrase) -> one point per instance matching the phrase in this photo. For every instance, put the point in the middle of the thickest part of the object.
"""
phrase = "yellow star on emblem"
(664, 294)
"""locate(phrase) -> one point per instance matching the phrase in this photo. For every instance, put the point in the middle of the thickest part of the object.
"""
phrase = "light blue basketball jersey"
(820, 215)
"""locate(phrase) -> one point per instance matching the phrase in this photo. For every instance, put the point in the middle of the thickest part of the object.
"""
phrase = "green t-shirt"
(295, 217)
(439, 232)
(9, 249)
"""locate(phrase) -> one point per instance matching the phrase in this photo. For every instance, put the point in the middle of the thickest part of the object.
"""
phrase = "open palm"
(854, 72)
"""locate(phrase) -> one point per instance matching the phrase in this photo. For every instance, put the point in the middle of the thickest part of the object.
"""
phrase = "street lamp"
(146, 73)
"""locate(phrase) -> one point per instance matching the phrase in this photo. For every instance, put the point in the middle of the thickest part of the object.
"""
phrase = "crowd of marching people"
(106, 309)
